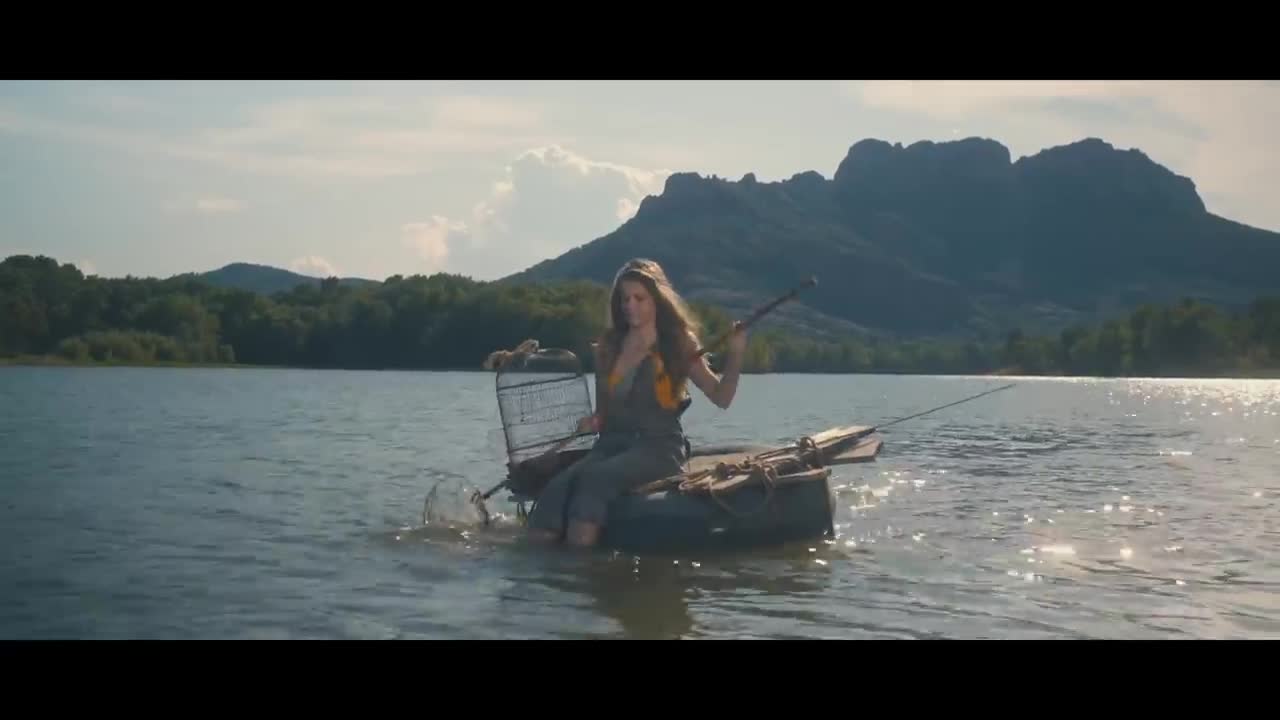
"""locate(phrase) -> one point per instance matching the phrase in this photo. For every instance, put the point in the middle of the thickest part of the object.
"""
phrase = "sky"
(485, 178)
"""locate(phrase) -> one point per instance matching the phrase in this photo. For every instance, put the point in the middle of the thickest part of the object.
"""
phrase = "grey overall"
(641, 442)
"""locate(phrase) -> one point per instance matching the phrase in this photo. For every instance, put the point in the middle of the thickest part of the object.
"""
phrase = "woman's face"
(637, 304)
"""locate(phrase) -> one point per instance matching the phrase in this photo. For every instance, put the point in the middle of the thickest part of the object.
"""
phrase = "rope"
(768, 475)
(805, 456)
(808, 451)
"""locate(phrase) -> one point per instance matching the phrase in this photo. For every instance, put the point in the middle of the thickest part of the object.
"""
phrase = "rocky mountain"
(942, 239)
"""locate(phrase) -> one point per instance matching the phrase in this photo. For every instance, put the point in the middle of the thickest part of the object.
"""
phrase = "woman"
(643, 362)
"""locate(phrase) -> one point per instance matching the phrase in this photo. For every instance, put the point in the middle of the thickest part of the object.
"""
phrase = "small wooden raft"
(809, 458)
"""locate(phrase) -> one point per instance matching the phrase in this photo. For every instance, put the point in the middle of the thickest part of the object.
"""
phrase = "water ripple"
(288, 504)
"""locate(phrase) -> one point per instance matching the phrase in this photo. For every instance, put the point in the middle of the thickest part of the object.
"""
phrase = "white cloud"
(543, 183)
(470, 111)
(548, 201)
(430, 240)
(315, 266)
(318, 138)
(216, 205)
(957, 98)
(113, 100)
(87, 267)
(627, 208)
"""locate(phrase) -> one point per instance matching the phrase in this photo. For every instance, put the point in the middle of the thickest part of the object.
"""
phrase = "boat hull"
(671, 521)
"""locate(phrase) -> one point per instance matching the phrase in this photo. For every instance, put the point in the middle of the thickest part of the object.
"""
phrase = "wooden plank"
(786, 458)
(865, 451)
(708, 462)
(837, 433)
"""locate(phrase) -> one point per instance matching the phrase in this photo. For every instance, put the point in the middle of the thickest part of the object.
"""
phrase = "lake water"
(238, 503)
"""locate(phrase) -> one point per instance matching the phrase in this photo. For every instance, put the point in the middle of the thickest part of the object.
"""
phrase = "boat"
(741, 500)
(728, 497)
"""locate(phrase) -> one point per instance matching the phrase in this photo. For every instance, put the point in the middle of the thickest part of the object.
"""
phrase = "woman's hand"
(738, 339)
(721, 390)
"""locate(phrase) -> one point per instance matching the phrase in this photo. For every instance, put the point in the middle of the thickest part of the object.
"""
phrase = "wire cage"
(541, 397)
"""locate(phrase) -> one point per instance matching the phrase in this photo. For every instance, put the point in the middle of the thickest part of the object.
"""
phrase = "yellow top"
(663, 388)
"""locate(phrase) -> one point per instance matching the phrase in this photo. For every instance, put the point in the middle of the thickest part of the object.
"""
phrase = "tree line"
(54, 313)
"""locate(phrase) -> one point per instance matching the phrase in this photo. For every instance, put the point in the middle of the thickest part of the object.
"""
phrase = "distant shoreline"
(447, 323)
(58, 361)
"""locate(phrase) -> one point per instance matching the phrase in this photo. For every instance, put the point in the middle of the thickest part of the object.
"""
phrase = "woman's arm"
(595, 421)
(721, 390)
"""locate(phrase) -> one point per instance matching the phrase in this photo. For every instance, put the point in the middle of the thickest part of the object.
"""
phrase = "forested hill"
(51, 312)
(265, 279)
(943, 239)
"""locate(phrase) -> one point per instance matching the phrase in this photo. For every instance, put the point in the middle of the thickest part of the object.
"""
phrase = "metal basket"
(541, 397)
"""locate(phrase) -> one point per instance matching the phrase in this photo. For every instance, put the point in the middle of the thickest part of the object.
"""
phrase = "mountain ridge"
(941, 238)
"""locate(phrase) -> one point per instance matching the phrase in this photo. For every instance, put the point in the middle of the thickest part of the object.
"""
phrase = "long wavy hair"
(674, 320)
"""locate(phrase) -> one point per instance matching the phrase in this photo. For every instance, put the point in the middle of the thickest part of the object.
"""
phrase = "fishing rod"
(865, 432)
(758, 313)
(984, 393)
(478, 498)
